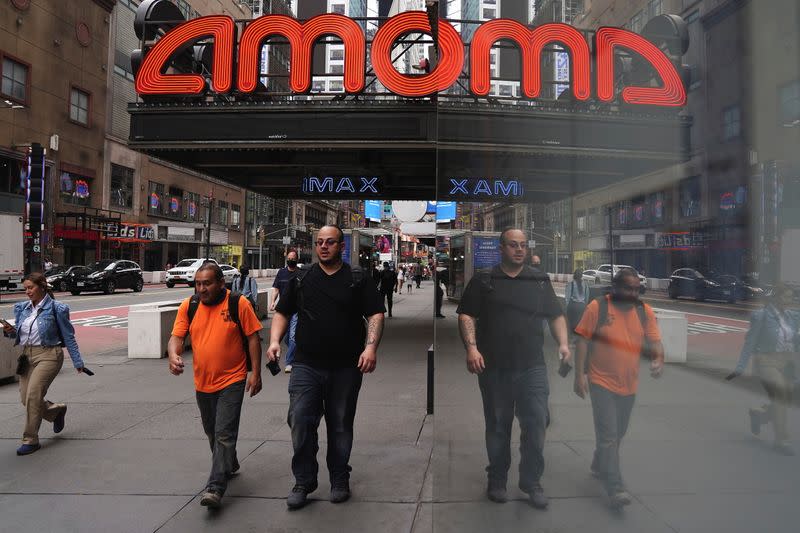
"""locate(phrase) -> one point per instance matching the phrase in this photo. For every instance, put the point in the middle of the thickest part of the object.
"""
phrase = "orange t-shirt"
(614, 355)
(219, 356)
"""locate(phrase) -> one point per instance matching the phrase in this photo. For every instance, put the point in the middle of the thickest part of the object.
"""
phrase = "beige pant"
(773, 369)
(45, 364)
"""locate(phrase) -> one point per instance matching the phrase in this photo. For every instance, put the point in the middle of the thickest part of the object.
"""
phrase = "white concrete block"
(8, 357)
(674, 334)
(149, 330)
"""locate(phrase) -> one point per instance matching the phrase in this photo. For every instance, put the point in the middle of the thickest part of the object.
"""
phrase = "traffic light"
(35, 197)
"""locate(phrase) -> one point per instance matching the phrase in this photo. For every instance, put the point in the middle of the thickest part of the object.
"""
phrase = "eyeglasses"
(517, 245)
(329, 242)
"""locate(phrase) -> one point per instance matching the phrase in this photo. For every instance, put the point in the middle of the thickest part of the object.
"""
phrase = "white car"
(184, 271)
(589, 276)
(603, 275)
(230, 273)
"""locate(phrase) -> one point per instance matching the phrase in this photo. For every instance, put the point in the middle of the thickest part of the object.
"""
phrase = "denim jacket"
(250, 289)
(572, 287)
(54, 317)
(762, 337)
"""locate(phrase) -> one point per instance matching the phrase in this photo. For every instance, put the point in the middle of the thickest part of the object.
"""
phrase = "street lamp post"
(209, 200)
(556, 239)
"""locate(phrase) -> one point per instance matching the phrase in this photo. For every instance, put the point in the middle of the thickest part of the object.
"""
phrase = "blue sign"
(346, 251)
(431, 208)
(373, 210)
(485, 252)
(445, 211)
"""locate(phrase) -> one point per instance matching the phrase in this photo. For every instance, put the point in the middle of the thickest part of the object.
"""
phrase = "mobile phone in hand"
(564, 368)
(88, 372)
(274, 368)
(5, 323)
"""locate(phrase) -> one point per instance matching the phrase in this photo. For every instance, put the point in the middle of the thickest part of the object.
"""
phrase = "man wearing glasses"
(334, 348)
(500, 319)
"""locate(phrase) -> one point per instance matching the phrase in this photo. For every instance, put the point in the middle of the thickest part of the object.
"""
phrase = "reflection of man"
(441, 277)
(536, 262)
(387, 284)
(332, 301)
(500, 318)
(617, 327)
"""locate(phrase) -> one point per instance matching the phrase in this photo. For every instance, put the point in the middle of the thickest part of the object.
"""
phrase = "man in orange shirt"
(220, 370)
(612, 333)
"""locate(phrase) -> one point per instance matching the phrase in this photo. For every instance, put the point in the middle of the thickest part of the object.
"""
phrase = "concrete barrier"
(8, 358)
(149, 329)
(674, 334)
(263, 303)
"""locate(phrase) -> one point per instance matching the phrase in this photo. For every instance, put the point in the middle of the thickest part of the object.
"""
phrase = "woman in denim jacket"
(42, 328)
(773, 338)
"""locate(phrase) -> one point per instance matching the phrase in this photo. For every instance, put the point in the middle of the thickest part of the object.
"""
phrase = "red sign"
(152, 79)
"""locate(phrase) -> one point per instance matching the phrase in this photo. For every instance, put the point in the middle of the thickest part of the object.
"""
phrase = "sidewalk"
(133, 456)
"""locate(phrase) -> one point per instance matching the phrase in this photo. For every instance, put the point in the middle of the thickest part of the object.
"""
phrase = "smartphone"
(274, 368)
(564, 368)
(5, 322)
(88, 372)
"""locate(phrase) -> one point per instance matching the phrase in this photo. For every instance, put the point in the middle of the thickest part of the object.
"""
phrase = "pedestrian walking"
(43, 329)
(418, 276)
(772, 342)
(440, 279)
(401, 277)
(576, 297)
(225, 343)
(282, 281)
(615, 332)
(410, 279)
(247, 286)
(338, 310)
(387, 285)
(500, 318)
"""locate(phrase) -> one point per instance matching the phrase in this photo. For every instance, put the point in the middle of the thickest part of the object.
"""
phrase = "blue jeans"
(290, 344)
(220, 412)
(524, 392)
(314, 393)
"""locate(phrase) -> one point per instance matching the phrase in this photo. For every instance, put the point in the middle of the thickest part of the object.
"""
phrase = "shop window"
(222, 213)
(731, 123)
(79, 106)
(191, 206)
(121, 187)
(235, 215)
(14, 80)
(75, 189)
(155, 199)
(690, 197)
(658, 208)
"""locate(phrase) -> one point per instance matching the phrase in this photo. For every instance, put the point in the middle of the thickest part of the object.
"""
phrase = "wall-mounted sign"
(485, 252)
(343, 185)
(682, 240)
(241, 60)
(486, 187)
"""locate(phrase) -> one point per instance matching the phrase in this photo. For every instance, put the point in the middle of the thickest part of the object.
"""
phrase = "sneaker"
(211, 499)
(288, 369)
(755, 422)
(299, 496)
(58, 423)
(784, 448)
(340, 492)
(496, 492)
(440, 316)
(27, 449)
(234, 471)
(537, 498)
(620, 498)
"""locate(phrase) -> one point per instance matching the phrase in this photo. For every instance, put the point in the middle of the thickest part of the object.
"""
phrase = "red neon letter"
(531, 43)
(151, 80)
(301, 38)
(672, 94)
(448, 69)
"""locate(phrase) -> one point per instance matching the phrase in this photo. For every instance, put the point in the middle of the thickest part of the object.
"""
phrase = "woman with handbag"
(576, 298)
(42, 328)
(773, 339)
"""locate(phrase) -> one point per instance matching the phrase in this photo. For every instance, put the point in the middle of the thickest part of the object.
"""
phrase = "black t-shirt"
(388, 279)
(282, 279)
(330, 328)
(509, 312)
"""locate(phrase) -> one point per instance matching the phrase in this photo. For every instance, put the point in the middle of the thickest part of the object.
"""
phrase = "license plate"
(81, 284)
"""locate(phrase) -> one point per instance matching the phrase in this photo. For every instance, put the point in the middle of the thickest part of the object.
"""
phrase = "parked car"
(229, 272)
(603, 276)
(184, 271)
(589, 276)
(694, 284)
(107, 275)
(58, 277)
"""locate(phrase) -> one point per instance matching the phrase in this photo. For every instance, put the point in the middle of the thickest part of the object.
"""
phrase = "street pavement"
(133, 456)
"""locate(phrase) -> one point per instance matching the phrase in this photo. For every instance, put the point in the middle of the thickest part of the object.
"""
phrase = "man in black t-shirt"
(388, 283)
(282, 281)
(332, 303)
(500, 319)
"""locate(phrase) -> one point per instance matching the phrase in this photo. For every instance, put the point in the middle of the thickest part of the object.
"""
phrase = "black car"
(108, 276)
(58, 277)
(692, 283)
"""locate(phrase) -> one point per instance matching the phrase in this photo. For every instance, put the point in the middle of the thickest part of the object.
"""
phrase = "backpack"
(602, 318)
(233, 312)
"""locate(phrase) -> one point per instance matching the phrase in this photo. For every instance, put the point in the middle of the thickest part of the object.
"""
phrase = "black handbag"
(23, 363)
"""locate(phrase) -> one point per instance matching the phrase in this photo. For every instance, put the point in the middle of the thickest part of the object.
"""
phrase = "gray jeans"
(612, 412)
(220, 412)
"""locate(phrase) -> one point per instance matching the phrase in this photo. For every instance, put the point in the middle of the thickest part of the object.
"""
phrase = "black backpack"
(233, 311)
(602, 318)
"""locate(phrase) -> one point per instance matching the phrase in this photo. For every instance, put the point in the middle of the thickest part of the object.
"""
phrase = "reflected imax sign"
(234, 63)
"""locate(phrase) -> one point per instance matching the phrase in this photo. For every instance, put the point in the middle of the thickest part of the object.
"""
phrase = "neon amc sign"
(236, 65)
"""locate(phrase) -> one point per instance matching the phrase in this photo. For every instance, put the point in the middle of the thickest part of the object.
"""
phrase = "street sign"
(37, 248)
(287, 240)
(531, 244)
